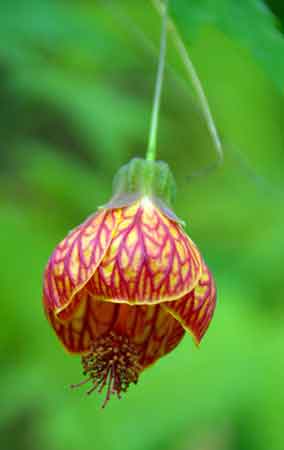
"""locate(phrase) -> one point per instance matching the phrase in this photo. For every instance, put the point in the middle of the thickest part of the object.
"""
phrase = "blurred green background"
(76, 86)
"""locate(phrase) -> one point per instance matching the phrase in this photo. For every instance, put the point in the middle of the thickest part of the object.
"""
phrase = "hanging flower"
(123, 287)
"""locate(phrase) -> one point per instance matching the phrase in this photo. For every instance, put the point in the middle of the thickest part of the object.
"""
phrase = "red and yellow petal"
(76, 258)
(82, 321)
(195, 310)
(151, 328)
(150, 259)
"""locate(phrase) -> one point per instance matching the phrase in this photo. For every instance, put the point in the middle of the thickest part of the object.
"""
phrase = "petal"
(76, 258)
(195, 310)
(151, 328)
(150, 259)
(82, 321)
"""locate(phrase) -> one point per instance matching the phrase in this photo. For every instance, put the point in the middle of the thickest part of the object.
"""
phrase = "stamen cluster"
(113, 361)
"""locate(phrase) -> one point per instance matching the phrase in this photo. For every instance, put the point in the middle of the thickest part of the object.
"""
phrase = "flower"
(123, 287)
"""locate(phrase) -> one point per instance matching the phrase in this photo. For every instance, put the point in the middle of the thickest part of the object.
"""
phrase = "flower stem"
(152, 143)
(196, 83)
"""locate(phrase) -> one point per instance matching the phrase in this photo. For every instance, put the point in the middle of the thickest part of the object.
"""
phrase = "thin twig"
(196, 83)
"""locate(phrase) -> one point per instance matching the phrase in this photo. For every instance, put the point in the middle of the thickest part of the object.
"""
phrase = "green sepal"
(141, 178)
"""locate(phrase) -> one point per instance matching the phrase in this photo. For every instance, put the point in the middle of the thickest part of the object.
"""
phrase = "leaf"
(277, 7)
(249, 22)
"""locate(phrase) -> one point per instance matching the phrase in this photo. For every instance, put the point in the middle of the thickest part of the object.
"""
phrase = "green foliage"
(76, 82)
(249, 22)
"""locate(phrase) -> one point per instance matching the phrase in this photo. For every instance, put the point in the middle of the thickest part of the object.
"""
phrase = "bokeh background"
(76, 86)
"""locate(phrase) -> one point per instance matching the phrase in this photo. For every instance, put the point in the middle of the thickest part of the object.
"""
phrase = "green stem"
(196, 83)
(152, 144)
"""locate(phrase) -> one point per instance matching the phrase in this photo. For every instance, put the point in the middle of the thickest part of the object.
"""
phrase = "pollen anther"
(112, 362)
